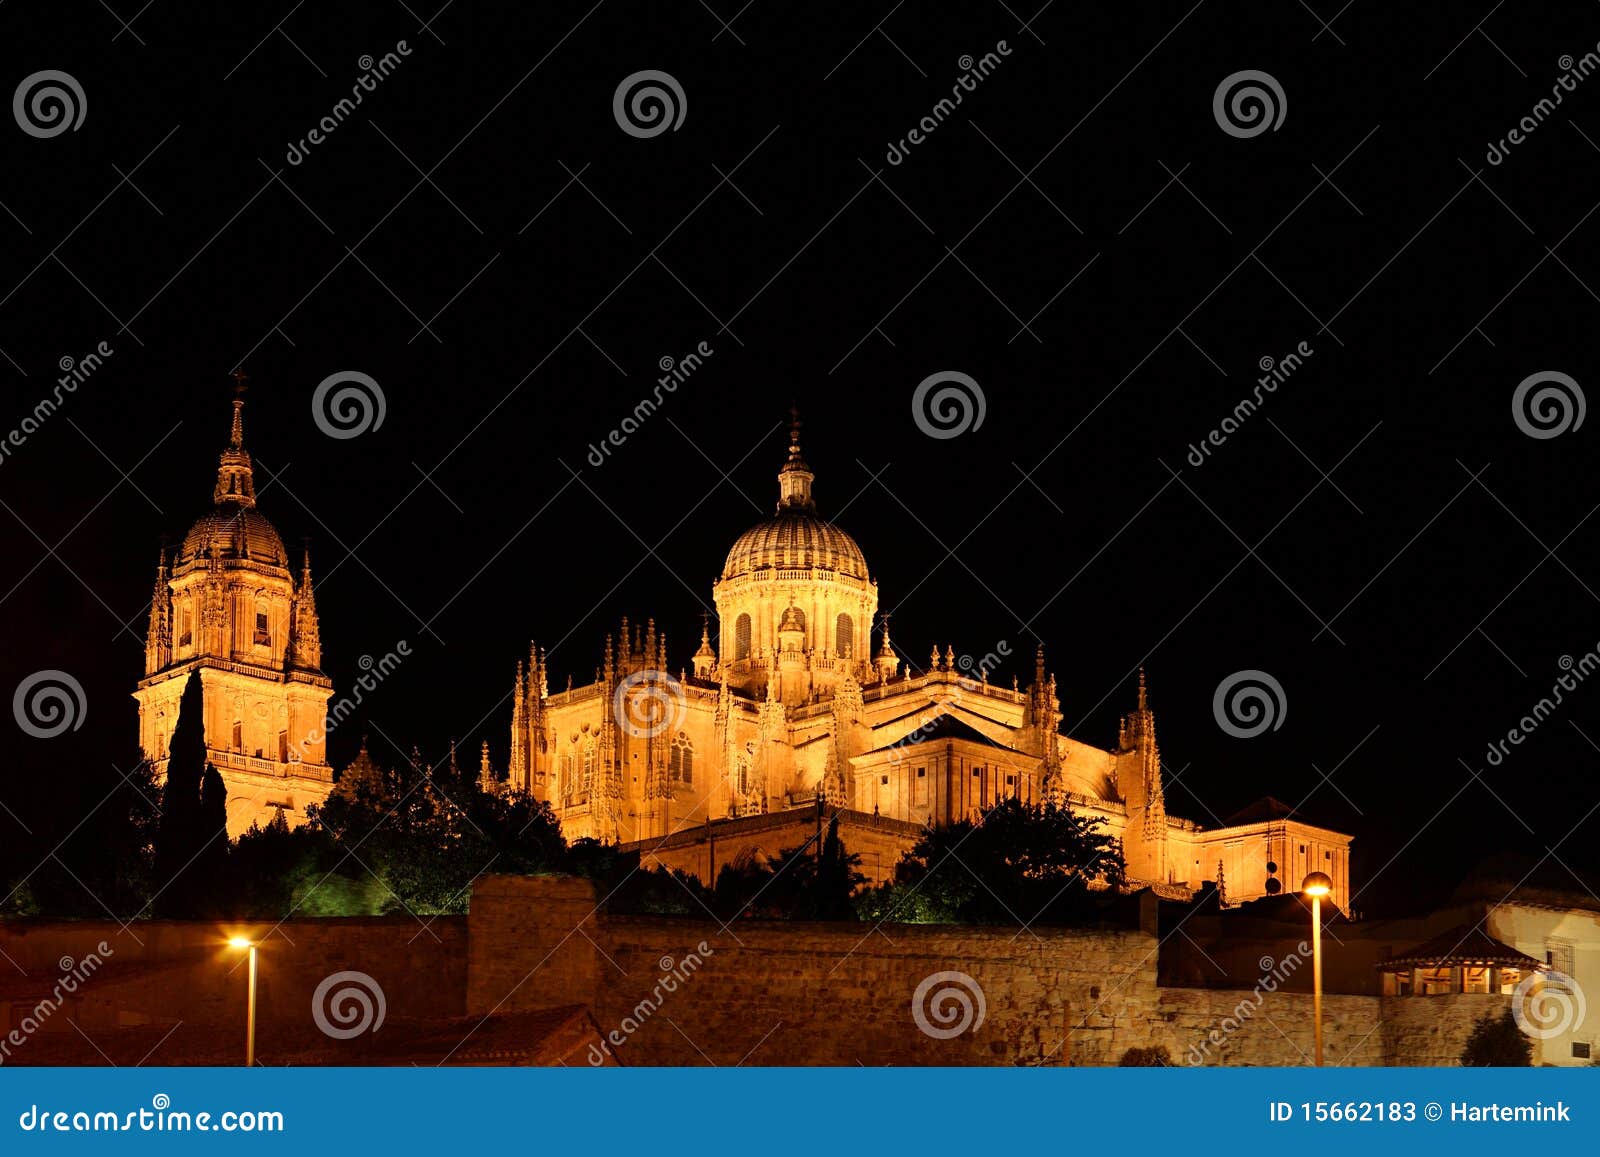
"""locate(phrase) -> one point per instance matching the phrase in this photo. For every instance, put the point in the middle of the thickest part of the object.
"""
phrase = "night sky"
(1080, 236)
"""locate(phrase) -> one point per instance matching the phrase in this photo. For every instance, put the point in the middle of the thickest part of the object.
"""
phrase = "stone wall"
(162, 971)
(686, 992)
(1432, 1030)
(671, 991)
(794, 993)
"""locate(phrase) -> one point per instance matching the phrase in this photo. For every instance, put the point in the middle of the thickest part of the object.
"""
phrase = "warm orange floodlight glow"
(240, 942)
(1317, 884)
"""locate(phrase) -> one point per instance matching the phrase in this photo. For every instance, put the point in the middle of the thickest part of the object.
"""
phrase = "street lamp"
(249, 945)
(1316, 885)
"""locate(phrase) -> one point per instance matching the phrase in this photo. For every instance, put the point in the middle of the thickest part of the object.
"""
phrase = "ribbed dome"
(794, 540)
(238, 531)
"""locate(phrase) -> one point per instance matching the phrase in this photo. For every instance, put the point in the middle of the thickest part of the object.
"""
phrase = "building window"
(588, 766)
(263, 635)
(238, 735)
(884, 780)
(283, 747)
(185, 630)
(1302, 849)
(1580, 1050)
(741, 637)
(680, 760)
(919, 787)
(844, 636)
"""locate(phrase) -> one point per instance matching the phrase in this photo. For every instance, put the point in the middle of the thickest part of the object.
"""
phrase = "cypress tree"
(189, 812)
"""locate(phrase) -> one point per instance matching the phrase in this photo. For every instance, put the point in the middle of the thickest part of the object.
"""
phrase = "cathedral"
(786, 715)
(228, 604)
(789, 713)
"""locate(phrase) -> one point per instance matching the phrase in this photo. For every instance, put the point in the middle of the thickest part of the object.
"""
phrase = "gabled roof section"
(940, 728)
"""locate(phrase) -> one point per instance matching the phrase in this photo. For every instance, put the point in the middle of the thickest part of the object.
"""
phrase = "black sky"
(557, 259)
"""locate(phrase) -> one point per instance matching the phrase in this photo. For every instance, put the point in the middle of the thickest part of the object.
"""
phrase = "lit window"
(844, 634)
(263, 635)
(741, 637)
(680, 760)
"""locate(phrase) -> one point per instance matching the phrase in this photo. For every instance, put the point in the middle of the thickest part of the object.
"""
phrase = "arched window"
(588, 766)
(680, 761)
(844, 636)
(741, 637)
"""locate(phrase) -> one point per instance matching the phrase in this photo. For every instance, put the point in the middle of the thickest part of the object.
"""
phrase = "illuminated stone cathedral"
(789, 714)
(228, 604)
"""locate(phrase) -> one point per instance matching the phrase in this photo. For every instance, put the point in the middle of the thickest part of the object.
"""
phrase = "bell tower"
(227, 603)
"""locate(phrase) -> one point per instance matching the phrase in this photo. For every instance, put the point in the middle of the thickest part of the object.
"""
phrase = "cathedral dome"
(795, 540)
(239, 532)
(233, 525)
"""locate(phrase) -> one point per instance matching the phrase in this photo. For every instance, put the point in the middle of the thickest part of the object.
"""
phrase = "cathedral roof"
(238, 532)
(795, 538)
(233, 527)
(940, 728)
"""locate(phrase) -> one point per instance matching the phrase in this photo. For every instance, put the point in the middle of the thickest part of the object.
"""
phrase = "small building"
(1463, 959)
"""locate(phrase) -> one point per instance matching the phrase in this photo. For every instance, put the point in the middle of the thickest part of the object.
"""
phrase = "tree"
(1497, 1041)
(424, 834)
(810, 881)
(1017, 863)
(193, 829)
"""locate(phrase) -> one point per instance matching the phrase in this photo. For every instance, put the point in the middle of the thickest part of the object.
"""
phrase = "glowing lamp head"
(241, 942)
(1317, 884)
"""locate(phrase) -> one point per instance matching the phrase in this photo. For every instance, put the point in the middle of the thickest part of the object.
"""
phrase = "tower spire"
(236, 439)
(794, 480)
(235, 479)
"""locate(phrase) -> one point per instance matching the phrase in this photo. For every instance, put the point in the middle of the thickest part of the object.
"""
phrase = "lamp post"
(1317, 885)
(250, 1007)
